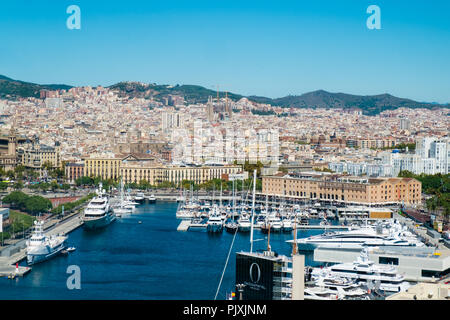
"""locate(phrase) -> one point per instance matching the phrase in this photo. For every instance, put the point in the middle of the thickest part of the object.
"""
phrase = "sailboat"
(123, 208)
(232, 226)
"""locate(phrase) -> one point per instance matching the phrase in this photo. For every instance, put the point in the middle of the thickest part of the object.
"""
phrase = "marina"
(191, 233)
(157, 262)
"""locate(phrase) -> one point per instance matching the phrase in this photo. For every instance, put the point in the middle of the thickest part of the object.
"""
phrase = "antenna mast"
(253, 211)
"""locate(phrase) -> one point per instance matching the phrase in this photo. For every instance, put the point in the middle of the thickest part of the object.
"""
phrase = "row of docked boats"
(219, 218)
(356, 280)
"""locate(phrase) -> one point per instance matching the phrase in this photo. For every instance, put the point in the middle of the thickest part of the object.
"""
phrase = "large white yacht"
(98, 213)
(40, 247)
(358, 238)
(364, 270)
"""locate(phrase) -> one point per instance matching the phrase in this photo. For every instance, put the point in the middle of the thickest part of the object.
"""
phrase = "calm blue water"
(151, 260)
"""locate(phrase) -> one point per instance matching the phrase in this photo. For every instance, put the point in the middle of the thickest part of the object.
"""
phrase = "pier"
(185, 225)
(15, 253)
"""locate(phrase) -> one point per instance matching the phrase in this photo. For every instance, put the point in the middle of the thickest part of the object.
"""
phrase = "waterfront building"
(344, 189)
(73, 171)
(134, 168)
(136, 172)
(34, 155)
(104, 167)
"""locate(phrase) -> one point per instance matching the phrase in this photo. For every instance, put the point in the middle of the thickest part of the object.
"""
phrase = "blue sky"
(267, 48)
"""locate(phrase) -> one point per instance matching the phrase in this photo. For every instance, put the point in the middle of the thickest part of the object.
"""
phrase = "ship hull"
(93, 224)
(214, 228)
(45, 254)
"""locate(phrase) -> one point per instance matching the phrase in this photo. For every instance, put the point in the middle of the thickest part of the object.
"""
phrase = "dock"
(184, 225)
(15, 253)
(319, 227)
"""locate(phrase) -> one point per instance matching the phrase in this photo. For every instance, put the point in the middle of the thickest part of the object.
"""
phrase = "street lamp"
(240, 288)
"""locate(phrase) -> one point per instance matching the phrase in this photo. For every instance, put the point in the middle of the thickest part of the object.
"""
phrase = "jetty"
(185, 225)
(11, 255)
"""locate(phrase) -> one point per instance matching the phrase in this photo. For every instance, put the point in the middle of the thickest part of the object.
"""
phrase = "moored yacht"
(287, 225)
(41, 247)
(244, 223)
(151, 198)
(360, 237)
(139, 197)
(272, 222)
(98, 213)
(364, 270)
(215, 222)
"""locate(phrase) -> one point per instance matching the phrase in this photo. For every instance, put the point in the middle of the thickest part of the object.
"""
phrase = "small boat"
(231, 226)
(287, 225)
(152, 199)
(70, 249)
(244, 223)
(139, 197)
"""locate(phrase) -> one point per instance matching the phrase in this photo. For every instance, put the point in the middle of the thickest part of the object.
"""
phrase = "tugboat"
(40, 247)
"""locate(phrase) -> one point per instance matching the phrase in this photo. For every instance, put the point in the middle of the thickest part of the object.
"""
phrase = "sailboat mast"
(220, 200)
(294, 245)
(234, 201)
(253, 211)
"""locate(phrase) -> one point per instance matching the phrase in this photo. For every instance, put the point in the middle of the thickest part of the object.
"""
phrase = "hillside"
(370, 105)
(10, 88)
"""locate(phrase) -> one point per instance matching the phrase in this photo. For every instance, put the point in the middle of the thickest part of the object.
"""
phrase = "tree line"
(436, 185)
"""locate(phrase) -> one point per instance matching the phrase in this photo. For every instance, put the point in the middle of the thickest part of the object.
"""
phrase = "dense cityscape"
(317, 167)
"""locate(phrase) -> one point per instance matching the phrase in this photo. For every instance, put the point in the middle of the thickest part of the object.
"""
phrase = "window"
(434, 273)
(388, 260)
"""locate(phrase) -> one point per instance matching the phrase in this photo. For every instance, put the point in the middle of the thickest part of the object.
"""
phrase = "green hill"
(370, 105)
(10, 88)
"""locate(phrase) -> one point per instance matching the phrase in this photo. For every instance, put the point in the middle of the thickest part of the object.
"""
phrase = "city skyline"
(262, 49)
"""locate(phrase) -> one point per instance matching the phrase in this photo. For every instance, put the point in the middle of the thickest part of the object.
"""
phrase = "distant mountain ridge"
(370, 105)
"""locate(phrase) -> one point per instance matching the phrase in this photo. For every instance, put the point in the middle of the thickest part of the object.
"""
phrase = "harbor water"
(143, 256)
